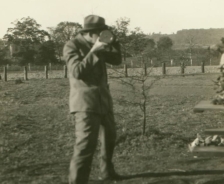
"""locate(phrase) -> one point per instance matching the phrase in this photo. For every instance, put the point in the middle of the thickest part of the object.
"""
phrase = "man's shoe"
(112, 177)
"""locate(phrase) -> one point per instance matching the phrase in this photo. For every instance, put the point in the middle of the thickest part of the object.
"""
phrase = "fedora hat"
(93, 22)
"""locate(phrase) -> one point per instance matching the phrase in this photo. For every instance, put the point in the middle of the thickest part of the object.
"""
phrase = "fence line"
(182, 69)
(25, 72)
(125, 73)
(33, 67)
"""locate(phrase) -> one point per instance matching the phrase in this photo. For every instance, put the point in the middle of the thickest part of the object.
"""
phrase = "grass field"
(37, 133)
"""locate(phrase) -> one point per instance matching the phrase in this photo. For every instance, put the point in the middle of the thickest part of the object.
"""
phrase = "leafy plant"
(45, 54)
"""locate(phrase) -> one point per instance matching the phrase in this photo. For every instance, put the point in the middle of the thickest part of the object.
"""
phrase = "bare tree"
(139, 85)
(191, 42)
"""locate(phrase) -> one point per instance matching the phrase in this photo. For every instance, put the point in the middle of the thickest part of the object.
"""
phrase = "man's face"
(94, 35)
(222, 40)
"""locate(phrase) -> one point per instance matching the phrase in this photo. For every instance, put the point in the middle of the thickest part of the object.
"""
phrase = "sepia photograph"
(111, 92)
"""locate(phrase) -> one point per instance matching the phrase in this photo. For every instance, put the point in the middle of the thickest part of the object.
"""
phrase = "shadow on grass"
(157, 178)
(175, 173)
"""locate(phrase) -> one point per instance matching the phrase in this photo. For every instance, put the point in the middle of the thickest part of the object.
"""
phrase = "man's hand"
(99, 46)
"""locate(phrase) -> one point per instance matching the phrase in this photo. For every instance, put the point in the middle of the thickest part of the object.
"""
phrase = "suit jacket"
(89, 91)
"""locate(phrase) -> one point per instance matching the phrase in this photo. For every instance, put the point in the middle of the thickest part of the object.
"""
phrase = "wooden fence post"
(182, 67)
(164, 68)
(125, 70)
(145, 69)
(202, 67)
(46, 71)
(29, 66)
(25, 73)
(5, 73)
(65, 71)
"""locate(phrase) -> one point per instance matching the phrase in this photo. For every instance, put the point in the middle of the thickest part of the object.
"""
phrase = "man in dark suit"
(220, 48)
(90, 100)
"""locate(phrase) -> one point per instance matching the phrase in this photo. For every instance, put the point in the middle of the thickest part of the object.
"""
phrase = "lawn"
(37, 132)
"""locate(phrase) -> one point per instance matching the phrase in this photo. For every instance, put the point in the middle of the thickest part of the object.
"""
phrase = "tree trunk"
(144, 116)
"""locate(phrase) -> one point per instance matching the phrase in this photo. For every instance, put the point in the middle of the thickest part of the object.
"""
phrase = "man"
(220, 48)
(90, 100)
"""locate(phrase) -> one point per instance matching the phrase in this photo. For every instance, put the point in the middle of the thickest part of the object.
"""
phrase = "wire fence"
(61, 71)
(31, 67)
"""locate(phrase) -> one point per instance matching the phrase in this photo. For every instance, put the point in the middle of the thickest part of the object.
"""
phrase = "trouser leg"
(87, 129)
(107, 136)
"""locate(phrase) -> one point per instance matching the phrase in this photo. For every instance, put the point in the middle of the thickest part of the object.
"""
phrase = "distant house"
(14, 49)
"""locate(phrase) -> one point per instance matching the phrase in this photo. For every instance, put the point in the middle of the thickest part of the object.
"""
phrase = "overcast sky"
(165, 16)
